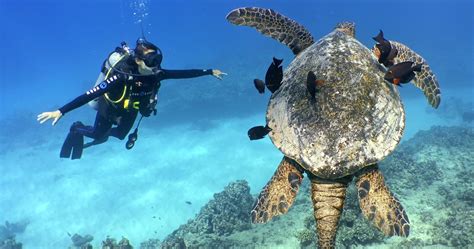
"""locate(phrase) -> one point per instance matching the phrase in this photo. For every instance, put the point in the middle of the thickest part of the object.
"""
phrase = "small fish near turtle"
(358, 120)
(258, 132)
(313, 84)
(274, 75)
(273, 79)
(402, 72)
(259, 85)
(384, 51)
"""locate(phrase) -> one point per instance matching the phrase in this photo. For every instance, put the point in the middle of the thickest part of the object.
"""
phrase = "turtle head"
(346, 27)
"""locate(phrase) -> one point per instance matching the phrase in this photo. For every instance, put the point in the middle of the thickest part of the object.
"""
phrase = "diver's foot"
(279, 193)
(379, 205)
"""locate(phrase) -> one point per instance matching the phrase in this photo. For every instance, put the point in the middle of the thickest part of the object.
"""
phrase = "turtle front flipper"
(328, 200)
(279, 193)
(379, 205)
(425, 80)
(275, 25)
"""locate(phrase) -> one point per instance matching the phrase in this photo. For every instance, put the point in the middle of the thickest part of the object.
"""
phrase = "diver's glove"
(56, 115)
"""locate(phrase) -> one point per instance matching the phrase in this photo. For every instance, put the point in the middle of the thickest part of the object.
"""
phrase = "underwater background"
(197, 144)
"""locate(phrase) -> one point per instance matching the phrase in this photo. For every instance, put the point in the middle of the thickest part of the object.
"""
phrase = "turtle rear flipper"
(425, 79)
(279, 193)
(273, 24)
(379, 205)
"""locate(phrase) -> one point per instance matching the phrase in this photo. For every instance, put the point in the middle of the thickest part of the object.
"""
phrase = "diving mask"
(151, 59)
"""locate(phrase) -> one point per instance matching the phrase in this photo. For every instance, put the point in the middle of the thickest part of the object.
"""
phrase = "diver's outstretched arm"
(93, 93)
(190, 73)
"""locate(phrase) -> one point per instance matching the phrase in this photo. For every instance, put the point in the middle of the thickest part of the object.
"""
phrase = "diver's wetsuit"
(140, 90)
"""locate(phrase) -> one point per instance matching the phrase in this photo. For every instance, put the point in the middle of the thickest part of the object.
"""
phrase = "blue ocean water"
(53, 51)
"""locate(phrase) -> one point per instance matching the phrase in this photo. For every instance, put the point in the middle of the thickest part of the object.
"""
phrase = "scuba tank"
(115, 57)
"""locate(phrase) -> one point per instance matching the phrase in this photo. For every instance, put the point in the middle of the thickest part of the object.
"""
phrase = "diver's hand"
(217, 73)
(56, 115)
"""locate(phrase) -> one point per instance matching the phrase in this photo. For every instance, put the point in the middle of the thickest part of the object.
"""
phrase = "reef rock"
(227, 213)
(10, 244)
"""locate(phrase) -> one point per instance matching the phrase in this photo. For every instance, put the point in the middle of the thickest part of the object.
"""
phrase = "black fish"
(274, 75)
(188, 202)
(312, 84)
(260, 85)
(386, 53)
(402, 72)
(258, 132)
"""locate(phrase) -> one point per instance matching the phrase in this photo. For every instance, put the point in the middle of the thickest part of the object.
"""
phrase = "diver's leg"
(74, 144)
(124, 126)
(97, 132)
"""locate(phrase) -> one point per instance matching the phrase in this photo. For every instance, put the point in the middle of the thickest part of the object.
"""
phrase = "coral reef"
(437, 164)
(227, 213)
(81, 242)
(9, 230)
(175, 243)
(150, 244)
(10, 244)
(456, 229)
(111, 243)
(8, 233)
(306, 237)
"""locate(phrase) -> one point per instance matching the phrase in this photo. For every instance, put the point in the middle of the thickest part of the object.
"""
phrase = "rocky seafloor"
(431, 174)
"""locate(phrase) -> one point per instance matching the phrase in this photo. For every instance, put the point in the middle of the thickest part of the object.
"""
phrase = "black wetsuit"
(140, 90)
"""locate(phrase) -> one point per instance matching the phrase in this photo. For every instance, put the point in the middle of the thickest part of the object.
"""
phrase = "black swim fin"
(66, 149)
(78, 146)
(74, 143)
(72, 146)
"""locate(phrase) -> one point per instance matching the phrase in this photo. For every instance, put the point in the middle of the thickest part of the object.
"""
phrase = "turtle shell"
(355, 119)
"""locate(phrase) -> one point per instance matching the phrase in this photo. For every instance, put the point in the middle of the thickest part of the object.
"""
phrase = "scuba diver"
(128, 85)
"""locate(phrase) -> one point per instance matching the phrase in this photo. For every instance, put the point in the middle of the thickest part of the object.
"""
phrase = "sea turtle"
(354, 120)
